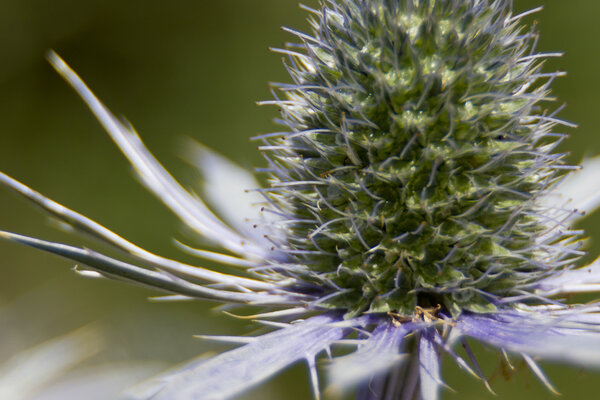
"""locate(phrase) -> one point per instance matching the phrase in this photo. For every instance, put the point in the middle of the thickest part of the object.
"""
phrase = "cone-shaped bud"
(416, 156)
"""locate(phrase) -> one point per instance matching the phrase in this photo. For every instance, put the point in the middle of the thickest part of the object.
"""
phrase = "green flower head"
(418, 154)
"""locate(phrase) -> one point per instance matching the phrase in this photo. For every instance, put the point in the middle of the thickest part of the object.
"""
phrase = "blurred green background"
(187, 68)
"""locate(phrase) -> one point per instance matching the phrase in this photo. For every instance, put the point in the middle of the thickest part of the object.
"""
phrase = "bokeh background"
(186, 68)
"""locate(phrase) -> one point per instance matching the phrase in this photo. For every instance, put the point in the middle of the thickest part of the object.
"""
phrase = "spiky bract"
(416, 156)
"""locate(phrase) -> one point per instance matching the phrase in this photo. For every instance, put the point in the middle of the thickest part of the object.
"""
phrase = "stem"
(400, 383)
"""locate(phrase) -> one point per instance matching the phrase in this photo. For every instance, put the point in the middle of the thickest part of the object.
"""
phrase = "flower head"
(415, 198)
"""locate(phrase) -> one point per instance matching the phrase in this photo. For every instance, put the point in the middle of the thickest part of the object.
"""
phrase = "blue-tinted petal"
(539, 373)
(229, 189)
(232, 372)
(157, 279)
(31, 371)
(579, 190)
(87, 226)
(191, 210)
(378, 354)
(568, 336)
(580, 280)
(429, 366)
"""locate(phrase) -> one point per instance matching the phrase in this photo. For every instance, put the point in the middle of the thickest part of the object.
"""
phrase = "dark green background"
(176, 69)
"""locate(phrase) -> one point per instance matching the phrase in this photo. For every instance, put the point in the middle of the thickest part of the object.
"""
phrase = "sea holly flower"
(415, 198)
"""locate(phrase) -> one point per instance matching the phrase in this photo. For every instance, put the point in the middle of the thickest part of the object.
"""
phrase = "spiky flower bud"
(417, 156)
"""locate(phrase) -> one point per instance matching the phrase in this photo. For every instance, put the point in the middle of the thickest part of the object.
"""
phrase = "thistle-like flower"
(415, 199)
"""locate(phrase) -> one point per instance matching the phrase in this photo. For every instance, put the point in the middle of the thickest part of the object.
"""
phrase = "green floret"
(416, 156)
